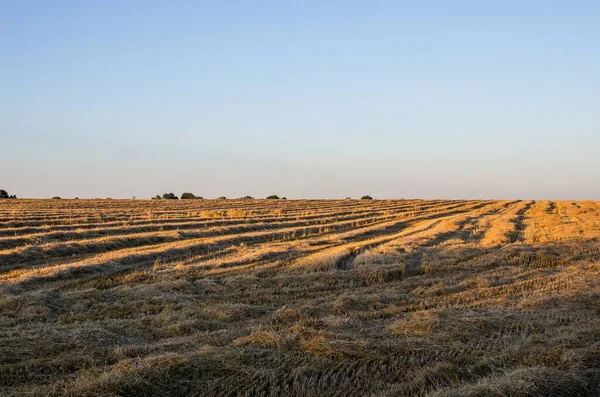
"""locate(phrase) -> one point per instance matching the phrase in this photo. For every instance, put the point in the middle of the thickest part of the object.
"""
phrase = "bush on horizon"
(165, 196)
(4, 195)
(190, 196)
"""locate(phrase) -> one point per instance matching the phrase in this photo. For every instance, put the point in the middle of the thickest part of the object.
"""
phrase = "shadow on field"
(380, 317)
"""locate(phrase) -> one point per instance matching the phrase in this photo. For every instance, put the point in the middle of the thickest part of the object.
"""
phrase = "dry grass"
(299, 297)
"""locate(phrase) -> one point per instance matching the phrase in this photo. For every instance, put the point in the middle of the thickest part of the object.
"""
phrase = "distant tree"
(4, 195)
(247, 198)
(367, 197)
(169, 196)
(348, 198)
(157, 197)
(190, 196)
(76, 198)
(55, 198)
(222, 198)
(284, 198)
(273, 197)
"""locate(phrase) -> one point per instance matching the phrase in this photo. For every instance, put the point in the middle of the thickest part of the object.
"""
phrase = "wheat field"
(299, 298)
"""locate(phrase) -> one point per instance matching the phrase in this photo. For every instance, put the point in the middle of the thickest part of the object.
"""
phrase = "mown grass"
(447, 299)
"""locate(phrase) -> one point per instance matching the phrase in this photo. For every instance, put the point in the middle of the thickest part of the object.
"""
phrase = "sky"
(304, 99)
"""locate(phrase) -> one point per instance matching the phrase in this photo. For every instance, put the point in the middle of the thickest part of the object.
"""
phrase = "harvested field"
(299, 297)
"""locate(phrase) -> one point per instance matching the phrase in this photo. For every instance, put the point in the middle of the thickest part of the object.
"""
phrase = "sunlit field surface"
(301, 298)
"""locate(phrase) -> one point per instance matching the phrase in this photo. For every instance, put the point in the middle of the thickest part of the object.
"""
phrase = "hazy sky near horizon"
(323, 99)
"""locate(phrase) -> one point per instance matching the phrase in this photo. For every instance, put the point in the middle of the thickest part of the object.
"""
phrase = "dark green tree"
(4, 195)
(190, 196)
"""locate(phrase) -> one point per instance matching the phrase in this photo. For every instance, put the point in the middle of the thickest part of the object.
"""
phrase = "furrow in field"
(170, 251)
(131, 212)
(195, 216)
(341, 256)
(70, 235)
(563, 221)
(454, 230)
(256, 255)
(507, 227)
(44, 252)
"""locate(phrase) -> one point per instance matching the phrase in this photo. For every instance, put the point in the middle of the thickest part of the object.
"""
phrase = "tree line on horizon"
(191, 196)
(184, 196)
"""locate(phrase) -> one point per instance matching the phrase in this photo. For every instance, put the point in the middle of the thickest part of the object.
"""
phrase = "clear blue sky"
(451, 99)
